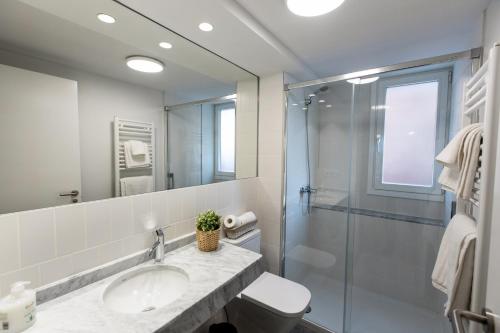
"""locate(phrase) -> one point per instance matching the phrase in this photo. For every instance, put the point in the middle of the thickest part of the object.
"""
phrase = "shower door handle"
(487, 320)
(379, 143)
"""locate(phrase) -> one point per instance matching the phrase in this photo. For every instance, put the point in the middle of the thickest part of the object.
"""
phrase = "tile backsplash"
(45, 245)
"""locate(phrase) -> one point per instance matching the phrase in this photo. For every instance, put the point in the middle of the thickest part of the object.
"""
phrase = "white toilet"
(271, 303)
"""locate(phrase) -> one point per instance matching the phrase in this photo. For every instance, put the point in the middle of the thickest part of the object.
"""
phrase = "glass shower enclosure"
(364, 213)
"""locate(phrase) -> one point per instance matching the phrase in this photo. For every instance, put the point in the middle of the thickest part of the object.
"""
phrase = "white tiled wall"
(45, 245)
(271, 107)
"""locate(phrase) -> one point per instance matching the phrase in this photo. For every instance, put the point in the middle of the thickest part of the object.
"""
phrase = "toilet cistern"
(158, 248)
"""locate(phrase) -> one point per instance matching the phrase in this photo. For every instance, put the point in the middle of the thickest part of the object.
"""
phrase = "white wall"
(99, 100)
(49, 244)
(247, 105)
(491, 33)
(271, 107)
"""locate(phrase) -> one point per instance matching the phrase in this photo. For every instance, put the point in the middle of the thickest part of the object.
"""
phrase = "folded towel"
(454, 266)
(233, 221)
(460, 159)
(135, 161)
(137, 147)
(136, 185)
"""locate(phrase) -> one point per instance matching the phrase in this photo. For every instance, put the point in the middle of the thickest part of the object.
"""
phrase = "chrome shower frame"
(475, 55)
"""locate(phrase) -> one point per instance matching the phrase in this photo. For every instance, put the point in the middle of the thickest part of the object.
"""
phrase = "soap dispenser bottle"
(18, 310)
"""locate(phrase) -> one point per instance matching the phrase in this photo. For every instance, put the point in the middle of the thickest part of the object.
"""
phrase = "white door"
(39, 140)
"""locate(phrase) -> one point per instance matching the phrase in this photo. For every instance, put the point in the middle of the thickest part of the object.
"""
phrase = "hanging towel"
(468, 162)
(138, 160)
(138, 147)
(455, 263)
(449, 155)
(460, 159)
(136, 185)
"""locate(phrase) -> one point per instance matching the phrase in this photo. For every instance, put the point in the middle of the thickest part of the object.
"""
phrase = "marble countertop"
(215, 278)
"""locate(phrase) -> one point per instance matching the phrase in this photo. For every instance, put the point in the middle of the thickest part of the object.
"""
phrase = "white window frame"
(220, 175)
(379, 90)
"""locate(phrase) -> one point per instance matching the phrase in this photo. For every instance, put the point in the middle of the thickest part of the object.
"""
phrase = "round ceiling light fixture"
(165, 45)
(359, 80)
(106, 18)
(205, 26)
(310, 8)
(144, 64)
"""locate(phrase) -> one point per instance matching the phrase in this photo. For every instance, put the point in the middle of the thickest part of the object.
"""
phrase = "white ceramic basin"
(146, 289)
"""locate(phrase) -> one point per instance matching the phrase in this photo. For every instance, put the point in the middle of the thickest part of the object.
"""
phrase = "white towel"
(449, 155)
(468, 162)
(460, 159)
(138, 147)
(455, 263)
(136, 185)
(135, 161)
(233, 221)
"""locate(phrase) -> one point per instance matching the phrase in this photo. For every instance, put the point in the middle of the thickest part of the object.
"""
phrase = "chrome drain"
(149, 308)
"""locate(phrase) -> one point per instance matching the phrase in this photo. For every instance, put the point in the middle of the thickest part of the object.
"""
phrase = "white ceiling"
(264, 37)
(67, 32)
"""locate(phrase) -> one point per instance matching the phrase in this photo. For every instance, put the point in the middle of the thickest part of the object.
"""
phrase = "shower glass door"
(317, 197)
(397, 215)
(364, 212)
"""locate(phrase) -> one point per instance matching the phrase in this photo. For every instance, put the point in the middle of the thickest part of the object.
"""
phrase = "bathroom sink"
(146, 289)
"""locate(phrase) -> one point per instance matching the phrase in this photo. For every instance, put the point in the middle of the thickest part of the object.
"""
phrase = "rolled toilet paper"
(230, 221)
(233, 221)
(247, 217)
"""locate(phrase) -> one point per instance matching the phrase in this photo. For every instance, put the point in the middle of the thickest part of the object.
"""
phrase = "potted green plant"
(208, 230)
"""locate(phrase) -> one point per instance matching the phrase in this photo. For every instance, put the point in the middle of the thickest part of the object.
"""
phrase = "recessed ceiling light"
(304, 109)
(294, 104)
(106, 18)
(328, 105)
(144, 64)
(312, 7)
(205, 26)
(363, 81)
(321, 101)
(312, 95)
(165, 45)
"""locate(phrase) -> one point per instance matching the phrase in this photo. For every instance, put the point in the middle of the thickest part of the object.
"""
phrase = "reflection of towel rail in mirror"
(125, 130)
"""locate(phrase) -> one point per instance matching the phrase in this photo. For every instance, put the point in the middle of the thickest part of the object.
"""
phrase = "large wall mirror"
(97, 106)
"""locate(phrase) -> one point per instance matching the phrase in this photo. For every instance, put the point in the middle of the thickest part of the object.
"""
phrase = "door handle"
(73, 194)
(487, 320)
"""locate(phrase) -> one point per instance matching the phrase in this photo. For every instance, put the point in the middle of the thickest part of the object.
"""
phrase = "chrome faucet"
(158, 247)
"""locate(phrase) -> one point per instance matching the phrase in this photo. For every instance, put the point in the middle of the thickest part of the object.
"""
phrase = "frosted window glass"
(227, 140)
(410, 134)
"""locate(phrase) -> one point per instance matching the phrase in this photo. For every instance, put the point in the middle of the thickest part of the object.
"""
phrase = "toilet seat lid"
(279, 295)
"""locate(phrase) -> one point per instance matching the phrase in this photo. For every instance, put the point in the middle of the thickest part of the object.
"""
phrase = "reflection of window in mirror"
(225, 129)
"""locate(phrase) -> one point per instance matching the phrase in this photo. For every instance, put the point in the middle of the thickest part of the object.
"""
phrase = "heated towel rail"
(125, 130)
(482, 104)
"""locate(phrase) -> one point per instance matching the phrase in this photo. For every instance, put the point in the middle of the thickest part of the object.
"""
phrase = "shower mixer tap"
(307, 189)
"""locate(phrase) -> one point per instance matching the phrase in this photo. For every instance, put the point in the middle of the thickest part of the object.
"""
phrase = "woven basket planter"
(208, 240)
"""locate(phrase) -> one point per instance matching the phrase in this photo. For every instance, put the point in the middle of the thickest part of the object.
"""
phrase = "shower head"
(322, 89)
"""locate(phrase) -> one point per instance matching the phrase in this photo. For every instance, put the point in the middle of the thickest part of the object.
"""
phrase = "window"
(408, 128)
(225, 124)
